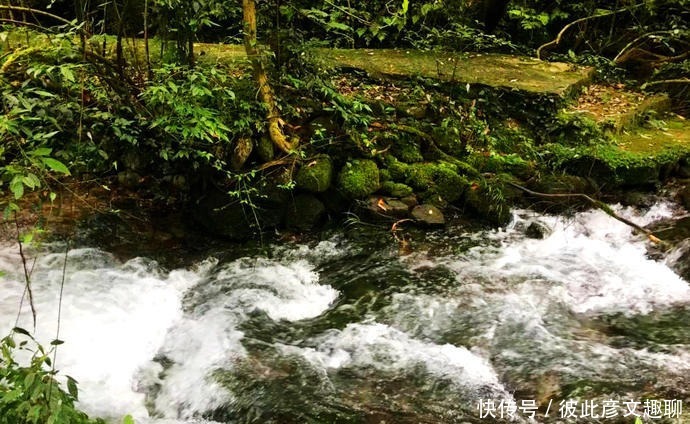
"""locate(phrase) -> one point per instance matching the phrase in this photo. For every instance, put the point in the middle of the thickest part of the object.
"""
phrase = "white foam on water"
(390, 350)
(118, 317)
(593, 263)
(207, 338)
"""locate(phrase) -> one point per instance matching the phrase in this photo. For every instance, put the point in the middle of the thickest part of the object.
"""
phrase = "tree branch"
(597, 204)
(565, 29)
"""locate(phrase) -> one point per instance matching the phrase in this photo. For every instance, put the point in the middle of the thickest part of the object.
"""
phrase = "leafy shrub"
(31, 394)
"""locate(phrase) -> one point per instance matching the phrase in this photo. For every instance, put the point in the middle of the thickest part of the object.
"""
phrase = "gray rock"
(684, 197)
(537, 230)
(387, 206)
(304, 213)
(428, 215)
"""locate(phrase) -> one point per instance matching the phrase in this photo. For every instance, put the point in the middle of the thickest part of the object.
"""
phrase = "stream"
(472, 326)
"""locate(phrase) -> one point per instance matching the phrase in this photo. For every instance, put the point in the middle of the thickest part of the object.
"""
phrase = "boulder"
(488, 206)
(537, 230)
(359, 178)
(304, 213)
(396, 189)
(316, 175)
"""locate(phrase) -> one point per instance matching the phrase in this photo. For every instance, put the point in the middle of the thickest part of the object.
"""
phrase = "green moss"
(488, 201)
(397, 170)
(575, 129)
(265, 149)
(438, 182)
(407, 150)
(635, 158)
(316, 175)
(359, 178)
(511, 164)
(521, 73)
(396, 189)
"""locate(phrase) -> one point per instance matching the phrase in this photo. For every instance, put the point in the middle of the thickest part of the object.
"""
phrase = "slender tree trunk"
(146, 38)
(275, 132)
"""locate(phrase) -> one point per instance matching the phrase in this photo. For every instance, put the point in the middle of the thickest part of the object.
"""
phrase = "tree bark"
(275, 131)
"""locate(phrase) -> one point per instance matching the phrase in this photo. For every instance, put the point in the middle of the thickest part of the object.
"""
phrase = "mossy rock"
(359, 178)
(439, 182)
(265, 149)
(396, 189)
(562, 184)
(511, 164)
(396, 170)
(315, 176)
(488, 204)
(406, 149)
(449, 139)
(304, 213)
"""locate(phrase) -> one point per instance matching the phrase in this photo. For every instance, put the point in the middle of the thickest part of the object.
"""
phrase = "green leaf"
(67, 73)
(57, 342)
(72, 387)
(127, 419)
(21, 331)
(17, 187)
(56, 165)
(41, 151)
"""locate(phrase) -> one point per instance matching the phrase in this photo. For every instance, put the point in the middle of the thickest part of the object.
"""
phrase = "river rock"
(684, 197)
(304, 213)
(679, 259)
(316, 175)
(428, 215)
(537, 230)
(222, 216)
(359, 178)
(387, 206)
(396, 189)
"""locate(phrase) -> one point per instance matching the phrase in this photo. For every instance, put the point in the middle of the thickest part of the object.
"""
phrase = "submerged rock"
(316, 175)
(428, 215)
(537, 230)
(359, 178)
(679, 259)
(684, 197)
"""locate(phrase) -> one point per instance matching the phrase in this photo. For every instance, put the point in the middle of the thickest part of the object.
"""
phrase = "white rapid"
(487, 321)
(117, 317)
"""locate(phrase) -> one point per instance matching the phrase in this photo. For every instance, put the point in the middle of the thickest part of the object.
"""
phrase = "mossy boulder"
(562, 184)
(510, 163)
(265, 149)
(396, 170)
(359, 178)
(316, 175)
(487, 202)
(406, 149)
(439, 182)
(304, 213)
(396, 189)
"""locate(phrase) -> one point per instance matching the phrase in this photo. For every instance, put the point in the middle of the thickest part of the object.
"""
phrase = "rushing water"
(349, 330)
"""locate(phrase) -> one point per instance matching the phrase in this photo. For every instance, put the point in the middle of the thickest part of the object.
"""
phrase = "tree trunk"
(275, 132)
